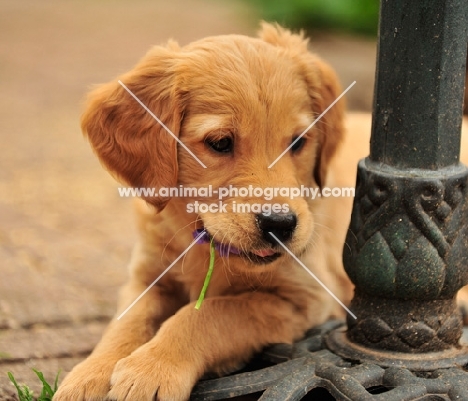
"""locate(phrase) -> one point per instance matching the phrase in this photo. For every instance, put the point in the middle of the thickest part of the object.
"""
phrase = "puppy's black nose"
(281, 225)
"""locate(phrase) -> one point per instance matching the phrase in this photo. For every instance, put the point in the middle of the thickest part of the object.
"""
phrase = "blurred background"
(65, 235)
(357, 16)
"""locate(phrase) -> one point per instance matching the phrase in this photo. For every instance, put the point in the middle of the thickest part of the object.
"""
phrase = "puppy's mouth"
(258, 256)
(263, 256)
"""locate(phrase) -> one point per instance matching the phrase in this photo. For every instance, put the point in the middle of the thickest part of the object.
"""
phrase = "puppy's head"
(236, 103)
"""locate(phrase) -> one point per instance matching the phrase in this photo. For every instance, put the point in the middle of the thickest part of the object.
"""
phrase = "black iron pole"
(407, 247)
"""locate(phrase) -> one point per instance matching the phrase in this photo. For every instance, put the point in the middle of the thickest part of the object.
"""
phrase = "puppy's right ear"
(130, 143)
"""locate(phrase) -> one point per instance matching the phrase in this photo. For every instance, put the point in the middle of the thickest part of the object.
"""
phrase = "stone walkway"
(65, 235)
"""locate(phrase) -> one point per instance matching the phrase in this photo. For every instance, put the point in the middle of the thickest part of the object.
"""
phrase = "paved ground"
(65, 235)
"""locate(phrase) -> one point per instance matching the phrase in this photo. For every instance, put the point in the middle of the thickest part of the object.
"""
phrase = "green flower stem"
(201, 297)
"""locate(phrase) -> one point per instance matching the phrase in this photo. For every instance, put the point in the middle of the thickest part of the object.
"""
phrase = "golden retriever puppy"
(235, 104)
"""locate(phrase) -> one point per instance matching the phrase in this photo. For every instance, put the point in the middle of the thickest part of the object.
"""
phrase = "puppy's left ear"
(323, 88)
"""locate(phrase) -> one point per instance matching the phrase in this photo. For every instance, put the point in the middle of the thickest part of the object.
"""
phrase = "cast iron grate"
(308, 371)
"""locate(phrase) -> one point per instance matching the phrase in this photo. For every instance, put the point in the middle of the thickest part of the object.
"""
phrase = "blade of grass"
(208, 276)
(24, 393)
(56, 381)
(46, 389)
(18, 388)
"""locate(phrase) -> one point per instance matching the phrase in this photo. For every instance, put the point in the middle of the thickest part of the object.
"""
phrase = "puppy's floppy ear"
(330, 128)
(130, 143)
(323, 87)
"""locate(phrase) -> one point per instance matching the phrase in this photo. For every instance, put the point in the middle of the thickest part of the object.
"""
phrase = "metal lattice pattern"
(308, 371)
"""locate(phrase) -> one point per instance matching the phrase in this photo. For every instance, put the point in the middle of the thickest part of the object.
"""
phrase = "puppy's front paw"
(88, 381)
(144, 375)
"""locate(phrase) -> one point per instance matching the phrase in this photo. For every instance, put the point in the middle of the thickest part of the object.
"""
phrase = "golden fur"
(261, 92)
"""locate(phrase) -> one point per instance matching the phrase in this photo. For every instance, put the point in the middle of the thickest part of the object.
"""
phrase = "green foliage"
(25, 393)
(359, 16)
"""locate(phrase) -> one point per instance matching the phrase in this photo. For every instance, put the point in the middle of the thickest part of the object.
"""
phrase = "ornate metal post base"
(408, 249)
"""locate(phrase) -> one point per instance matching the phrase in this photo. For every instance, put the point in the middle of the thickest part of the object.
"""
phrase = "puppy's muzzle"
(281, 225)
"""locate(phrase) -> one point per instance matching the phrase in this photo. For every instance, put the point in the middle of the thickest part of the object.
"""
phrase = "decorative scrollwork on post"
(407, 252)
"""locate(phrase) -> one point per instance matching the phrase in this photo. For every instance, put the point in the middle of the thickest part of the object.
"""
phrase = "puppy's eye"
(298, 144)
(223, 145)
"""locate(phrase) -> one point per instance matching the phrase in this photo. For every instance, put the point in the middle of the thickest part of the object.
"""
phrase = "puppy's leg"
(223, 333)
(90, 380)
